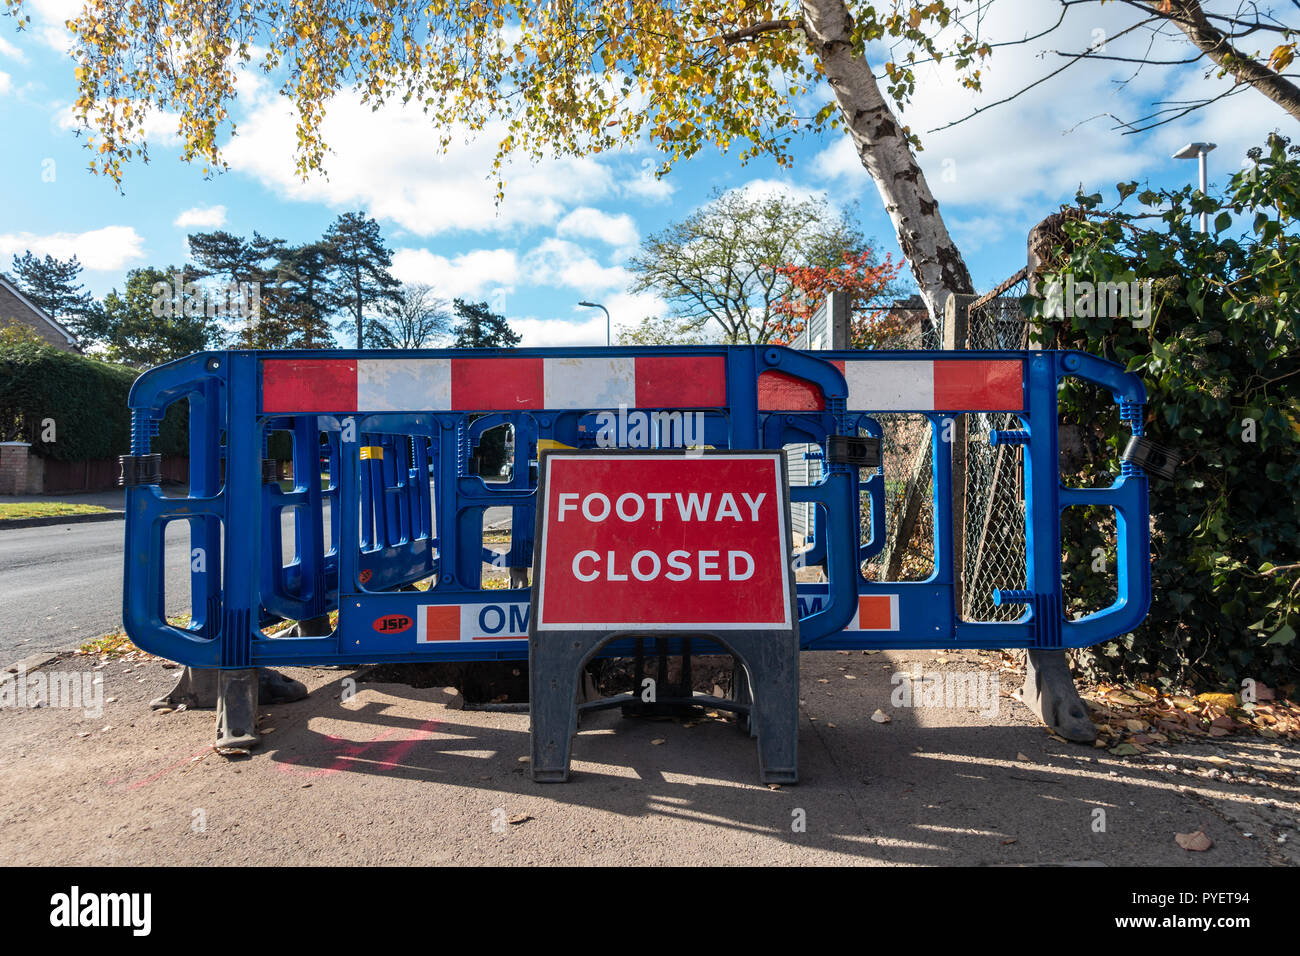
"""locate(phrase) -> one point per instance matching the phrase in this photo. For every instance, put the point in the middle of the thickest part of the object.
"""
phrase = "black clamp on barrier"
(860, 452)
(270, 471)
(668, 545)
(1147, 455)
(139, 470)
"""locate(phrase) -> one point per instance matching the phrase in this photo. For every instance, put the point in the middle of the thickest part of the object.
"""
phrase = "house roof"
(39, 312)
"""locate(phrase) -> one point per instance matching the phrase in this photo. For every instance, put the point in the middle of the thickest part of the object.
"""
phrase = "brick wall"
(13, 467)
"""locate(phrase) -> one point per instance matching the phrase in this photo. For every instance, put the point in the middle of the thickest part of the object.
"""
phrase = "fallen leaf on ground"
(657, 741)
(880, 717)
(1218, 700)
(519, 818)
(1196, 842)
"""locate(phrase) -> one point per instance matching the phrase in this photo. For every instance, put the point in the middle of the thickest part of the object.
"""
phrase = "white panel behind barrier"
(402, 385)
(590, 382)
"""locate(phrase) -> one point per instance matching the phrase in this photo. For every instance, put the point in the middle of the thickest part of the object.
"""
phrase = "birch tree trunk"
(886, 154)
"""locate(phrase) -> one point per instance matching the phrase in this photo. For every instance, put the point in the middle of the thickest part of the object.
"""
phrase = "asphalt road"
(62, 584)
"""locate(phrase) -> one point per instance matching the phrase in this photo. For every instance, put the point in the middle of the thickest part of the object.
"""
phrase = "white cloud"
(759, 189)
(589, 223)
(551, 333)
(558, 262)
(390, 163)
(160, 126)
(1019, 159)
(51, 17)
(646, 187)
(11, 51)
(629, 308)
(208, 217)
(109, 248)
(470, 275)
(6, 84)
(587, 326)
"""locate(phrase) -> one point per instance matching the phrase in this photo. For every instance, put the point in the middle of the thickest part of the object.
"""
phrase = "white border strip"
(774, 457)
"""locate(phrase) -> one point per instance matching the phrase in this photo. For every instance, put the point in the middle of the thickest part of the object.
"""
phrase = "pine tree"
(481, 328)
(250, 302)
(361, 263)
(52, 285)
(305, 295)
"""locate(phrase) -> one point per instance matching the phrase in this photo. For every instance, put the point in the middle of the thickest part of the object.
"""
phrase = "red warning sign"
(670, 541)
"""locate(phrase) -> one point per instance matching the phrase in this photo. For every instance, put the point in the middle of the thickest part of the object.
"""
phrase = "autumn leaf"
(1196, 842)
(1281, 57)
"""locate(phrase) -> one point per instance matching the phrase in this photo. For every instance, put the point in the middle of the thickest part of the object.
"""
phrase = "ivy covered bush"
(85, 399)
(1220, 361)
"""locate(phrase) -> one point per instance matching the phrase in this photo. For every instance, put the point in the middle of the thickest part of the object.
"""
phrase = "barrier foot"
(1050, 693)
(196, 689)
(237, 708)
(275, 688)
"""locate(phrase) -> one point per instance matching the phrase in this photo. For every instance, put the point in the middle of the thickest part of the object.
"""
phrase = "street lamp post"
(597, 305)
(1198, 151)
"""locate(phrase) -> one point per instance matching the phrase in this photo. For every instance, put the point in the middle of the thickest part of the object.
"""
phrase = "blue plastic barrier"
(396, 433)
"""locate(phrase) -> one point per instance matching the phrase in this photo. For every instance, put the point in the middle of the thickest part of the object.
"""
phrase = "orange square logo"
(442, 622)
(875, 612)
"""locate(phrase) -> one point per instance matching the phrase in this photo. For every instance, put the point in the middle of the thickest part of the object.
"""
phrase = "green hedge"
(85, 398)
(1220, 357)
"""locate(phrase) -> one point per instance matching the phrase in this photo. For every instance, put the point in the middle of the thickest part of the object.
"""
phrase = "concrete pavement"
(396, 776)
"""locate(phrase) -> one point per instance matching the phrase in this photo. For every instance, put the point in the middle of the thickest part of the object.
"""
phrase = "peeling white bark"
(934, 259)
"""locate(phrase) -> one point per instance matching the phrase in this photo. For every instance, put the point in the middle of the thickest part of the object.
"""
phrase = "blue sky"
(567, 227)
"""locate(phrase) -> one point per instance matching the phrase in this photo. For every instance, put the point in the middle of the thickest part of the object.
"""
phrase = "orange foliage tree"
(863, 280)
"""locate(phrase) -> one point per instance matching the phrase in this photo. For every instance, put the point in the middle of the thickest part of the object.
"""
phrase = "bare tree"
(415, 319)
(1251, 45)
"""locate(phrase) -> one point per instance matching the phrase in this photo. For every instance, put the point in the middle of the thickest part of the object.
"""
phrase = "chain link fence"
(993, 537)
(909, 500)
(994, 545)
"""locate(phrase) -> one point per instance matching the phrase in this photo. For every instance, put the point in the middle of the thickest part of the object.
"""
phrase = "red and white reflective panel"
(326, 385)
(976, 385)
(439, 623)
(896, 385)
(876, 612)
(677, 542)
(305, 385)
